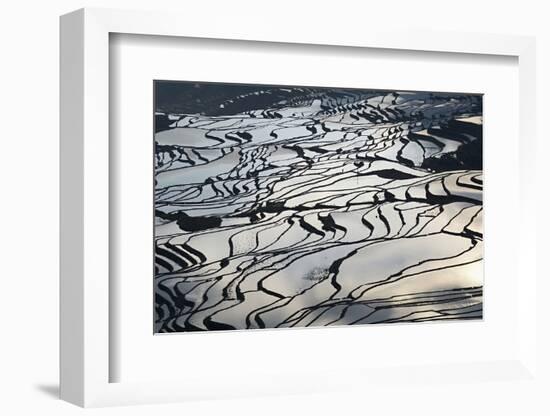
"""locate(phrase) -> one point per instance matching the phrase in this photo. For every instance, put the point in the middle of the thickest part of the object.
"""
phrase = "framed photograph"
(293, 212)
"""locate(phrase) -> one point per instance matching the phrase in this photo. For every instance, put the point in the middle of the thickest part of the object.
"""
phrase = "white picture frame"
(85, 181)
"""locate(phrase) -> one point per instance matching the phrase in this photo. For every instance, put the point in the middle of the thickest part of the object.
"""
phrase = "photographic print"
(298, 206)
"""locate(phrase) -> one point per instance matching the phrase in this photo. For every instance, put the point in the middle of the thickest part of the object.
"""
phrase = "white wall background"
(29, 188)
